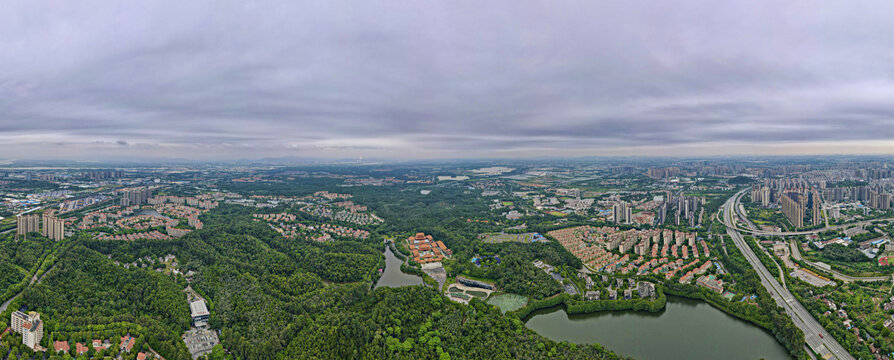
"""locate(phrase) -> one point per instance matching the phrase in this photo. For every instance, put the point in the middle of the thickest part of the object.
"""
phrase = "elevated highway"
(815, 335)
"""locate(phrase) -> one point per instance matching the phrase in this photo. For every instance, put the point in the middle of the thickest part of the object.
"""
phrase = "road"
(34, 279)
(796, 254)
(814, 334)
(756, 231)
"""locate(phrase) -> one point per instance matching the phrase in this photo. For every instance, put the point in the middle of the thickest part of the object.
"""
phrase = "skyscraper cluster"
(622, 213)
(27, 223)
(135, 196)
(53, 228)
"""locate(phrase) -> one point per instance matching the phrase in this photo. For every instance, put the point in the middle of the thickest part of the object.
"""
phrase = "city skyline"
(437, 80)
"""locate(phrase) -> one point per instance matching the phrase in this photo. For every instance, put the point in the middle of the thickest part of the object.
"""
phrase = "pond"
(685, 329)
(392, 276)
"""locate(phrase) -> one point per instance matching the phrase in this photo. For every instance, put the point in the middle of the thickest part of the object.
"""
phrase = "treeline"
(838, 252)
(767, 314)
(87, 289)
(574, 306)
(516, 272)
(418, 323)
(277, 298)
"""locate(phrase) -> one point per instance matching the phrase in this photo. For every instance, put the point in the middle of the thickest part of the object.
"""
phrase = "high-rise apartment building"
(29, 325)
(27, 223)
(53, 227)
(794, 207)
(816, 208)
(621, 213)
(135, 197)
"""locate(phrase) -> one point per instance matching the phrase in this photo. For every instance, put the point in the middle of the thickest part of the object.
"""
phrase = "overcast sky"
(444, 79)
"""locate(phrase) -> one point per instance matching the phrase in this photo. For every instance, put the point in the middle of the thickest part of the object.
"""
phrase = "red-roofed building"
(61, 346)
(81, 348)
(98, 345)
(141, 356)
(127, 343)
(425, 249)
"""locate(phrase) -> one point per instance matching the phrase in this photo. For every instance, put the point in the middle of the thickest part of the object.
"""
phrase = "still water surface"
(686, 329)
(393, 277)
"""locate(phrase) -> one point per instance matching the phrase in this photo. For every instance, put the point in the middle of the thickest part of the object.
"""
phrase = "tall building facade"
(53, 227)
(794, 207)
(135, 197)
(27, 223)
(816, 208)
(621, 213)
(29, 325)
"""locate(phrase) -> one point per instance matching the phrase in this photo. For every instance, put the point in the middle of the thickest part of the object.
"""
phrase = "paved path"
(796, 254)
(33, 280)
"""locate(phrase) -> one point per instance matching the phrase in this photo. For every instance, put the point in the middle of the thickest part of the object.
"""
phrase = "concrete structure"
(621, 213)
(29, 325)
(646, 289)
(794, 208)
(135, 196)
(199, 312)
(27, 223)
(53, 228)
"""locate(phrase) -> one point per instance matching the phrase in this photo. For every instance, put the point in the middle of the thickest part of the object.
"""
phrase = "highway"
(756, 231)
(814, 334)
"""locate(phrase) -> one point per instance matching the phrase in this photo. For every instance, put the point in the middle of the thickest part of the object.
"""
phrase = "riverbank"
(579, 307)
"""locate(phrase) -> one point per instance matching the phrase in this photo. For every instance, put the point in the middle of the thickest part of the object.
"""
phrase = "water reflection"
(685, 329)
(392, 276)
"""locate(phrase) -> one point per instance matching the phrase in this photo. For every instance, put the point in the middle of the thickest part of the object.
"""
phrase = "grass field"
(508, 302)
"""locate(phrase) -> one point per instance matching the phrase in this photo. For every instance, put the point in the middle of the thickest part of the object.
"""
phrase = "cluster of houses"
(126, 345)
(596, 247)
(284, 223)
(644, 289)
(426, 250)
(31, 327)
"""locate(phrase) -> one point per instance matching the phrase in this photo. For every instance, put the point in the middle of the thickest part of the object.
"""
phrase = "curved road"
(796, 253)
(756, 231)
(814, 334)
(34, 279)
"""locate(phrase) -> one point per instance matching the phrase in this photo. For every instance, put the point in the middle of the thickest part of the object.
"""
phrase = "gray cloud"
(212, 79)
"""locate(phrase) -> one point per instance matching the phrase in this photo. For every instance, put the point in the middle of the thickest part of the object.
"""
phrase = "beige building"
(53, 228)
(29, 325)
(27, 223)
(794, 208)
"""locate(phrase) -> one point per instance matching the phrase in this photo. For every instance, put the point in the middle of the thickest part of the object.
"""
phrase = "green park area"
(508, 302)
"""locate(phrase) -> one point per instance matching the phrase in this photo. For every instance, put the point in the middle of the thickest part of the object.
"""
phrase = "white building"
(29, 325)
(199, 312)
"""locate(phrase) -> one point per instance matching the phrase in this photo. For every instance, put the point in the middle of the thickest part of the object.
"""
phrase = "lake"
(685, 329)
(392, 276)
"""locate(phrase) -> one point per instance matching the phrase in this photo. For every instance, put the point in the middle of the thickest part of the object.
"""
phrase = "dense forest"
(278, 298)
(843, 253)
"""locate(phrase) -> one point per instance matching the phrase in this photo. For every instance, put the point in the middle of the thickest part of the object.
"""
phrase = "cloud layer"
(220, 79)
